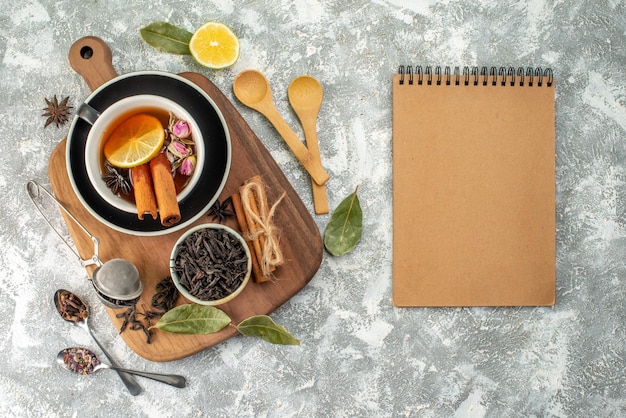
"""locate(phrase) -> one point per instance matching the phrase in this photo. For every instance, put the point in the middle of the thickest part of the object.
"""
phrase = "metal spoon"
(305, 96)
(95, 365)
(81, 320)
(252, 89)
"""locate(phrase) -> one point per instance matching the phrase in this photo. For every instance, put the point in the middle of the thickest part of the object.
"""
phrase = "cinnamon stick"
(259, 216)
(165, 190)
(144, 191)
(253, 225)
(243, 225)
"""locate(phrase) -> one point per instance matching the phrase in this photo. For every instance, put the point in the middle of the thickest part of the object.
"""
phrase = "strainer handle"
(35, 190)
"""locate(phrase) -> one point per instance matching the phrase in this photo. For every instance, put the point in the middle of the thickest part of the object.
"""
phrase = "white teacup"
(104, 123)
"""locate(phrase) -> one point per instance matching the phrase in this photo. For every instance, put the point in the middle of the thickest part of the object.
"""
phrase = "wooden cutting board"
(299, 235)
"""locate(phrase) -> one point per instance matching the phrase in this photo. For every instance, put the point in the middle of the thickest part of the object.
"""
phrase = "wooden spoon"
(305, 96)
(252, 89)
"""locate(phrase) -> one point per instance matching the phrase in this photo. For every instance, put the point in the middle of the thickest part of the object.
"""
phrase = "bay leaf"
(193, 319)
(167, 37)
(345, 227)
(263, 326)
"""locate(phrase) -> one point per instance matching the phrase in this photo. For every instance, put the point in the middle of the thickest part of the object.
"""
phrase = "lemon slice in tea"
(214, 45)
(135, 141)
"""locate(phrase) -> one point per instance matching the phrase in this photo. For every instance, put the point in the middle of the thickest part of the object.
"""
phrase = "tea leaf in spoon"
(345, 227)
(167, 38)
(193, 319)
(264, 327)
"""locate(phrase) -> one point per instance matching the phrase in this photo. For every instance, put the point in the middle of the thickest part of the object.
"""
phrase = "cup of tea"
(103, 175)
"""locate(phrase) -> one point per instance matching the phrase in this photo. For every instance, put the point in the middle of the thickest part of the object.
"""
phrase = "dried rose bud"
(181, 129)
(178, 149)
(188, 165)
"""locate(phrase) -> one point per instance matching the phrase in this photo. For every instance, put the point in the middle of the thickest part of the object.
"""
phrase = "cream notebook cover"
(473, 187)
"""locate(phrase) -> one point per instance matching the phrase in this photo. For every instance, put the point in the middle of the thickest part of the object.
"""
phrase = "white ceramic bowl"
(94, 158)
(176, 278)
(213, 171)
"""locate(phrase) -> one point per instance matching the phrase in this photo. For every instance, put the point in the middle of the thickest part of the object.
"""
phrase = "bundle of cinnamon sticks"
(254, 216)
(155, 191)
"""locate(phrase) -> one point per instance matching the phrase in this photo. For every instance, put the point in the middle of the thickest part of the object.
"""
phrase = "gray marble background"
(359, 355)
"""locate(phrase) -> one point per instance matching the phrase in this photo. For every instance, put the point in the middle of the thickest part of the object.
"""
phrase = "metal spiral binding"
(476, 76)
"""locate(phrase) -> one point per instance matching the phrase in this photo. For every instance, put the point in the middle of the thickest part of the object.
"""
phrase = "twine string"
(271, 253)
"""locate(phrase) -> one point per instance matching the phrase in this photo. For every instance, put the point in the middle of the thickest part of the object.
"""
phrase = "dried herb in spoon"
(80, 360)
(70, 306)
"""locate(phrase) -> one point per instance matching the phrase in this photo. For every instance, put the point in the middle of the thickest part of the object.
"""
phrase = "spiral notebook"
(473, 187)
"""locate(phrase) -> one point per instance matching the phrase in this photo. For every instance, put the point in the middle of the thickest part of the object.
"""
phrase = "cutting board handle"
(91, 58)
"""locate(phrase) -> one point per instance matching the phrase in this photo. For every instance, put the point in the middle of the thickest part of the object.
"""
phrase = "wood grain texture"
(300, 238)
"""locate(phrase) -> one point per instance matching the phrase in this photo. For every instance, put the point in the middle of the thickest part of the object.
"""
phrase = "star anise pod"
(220, 211)
(57, 113)
(116, 180)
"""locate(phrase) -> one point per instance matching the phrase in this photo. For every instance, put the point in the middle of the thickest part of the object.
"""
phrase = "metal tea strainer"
(116, 282)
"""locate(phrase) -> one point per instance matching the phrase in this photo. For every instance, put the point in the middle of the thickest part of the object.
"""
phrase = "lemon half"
(215, 46)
